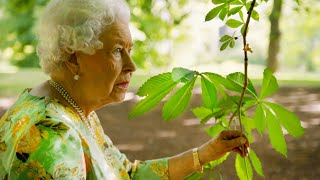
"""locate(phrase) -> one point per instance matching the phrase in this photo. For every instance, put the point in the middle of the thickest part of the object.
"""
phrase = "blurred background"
(171, 33)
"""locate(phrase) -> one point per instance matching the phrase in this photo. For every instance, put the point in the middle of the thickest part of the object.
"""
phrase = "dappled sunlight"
(129, 96)
(166, 134)
(191, 122)
(314, 121)
(130, 147)
(5, 103)
(311, 108)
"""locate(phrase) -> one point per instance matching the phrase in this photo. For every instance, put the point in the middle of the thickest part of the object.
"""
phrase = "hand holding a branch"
(226, 141)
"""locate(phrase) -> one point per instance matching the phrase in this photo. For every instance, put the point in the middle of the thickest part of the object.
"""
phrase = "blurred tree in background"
(153, 19)
(17, 38)
(274, 37)
(307, 11)
(302, 37)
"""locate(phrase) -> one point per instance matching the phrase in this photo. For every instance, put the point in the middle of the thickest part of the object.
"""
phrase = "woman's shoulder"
(31, 110)
(26, 107)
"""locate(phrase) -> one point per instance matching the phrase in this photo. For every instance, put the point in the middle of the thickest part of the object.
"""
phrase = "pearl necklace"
(67, 97)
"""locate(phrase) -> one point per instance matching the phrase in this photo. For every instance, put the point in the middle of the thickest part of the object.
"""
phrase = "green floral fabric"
(42, 139)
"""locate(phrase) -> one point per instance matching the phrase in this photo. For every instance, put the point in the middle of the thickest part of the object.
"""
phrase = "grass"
(12, 84)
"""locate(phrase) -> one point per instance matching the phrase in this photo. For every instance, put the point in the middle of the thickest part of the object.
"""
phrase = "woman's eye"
(117, 51)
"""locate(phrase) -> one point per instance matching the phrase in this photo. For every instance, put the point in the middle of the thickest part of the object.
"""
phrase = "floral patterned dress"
(42, 139)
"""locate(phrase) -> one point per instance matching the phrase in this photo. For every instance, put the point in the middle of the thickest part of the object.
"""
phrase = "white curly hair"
(67, 26)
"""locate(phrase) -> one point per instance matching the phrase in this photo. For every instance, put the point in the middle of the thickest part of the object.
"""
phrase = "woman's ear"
(73, 65)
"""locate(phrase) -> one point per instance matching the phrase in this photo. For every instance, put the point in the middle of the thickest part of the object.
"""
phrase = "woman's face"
(107, 73)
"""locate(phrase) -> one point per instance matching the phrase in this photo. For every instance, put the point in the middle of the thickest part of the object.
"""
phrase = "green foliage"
(275, 133)
(164, 84)
(215, 129)
(182, 75)
(221, 105)
(17, 30)
(155, 82)
(201, 112)
(217, 162)
(20, 16)
(209, 93)
(243, 168)
(255, 161)
(260, 119)
(288, 119)
(269, 84)
(178, 102)
(236, 80)
(226, 9)
(234, 23)
(148, 20)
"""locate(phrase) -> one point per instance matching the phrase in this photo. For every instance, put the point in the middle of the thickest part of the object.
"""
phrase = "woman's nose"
(129, 65)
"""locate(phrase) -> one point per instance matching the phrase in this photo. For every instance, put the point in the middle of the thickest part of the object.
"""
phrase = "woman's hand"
(228, 140)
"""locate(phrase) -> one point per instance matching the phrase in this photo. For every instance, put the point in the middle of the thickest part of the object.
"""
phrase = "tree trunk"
(275, 35)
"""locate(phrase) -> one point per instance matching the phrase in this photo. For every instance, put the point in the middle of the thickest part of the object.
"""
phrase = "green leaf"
(195, 176)
(242, 29)
(248, 5)
(248, 125)
(215, 129)
(182, 75)
(223, 13)
(152, 99)
(152, 84)
(218, 1)
(224, 45)
(241, 16)
(288, 119)
(201, 112)
(237, 79)
(219, 161)
(179, 102)
(209, 93)
(255, 162)
(241, 170)
(275, 133)
(234, 23)
(269, 84)
(232, 43)
(260, 119)
(235, 10)
(225, 38)
(236, 2)
(255, 15)
(219, 81)
(214, 12)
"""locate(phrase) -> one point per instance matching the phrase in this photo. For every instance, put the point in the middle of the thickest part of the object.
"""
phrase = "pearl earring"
(76, 77)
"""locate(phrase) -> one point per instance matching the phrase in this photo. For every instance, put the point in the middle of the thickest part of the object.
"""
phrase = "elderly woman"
(52, 131)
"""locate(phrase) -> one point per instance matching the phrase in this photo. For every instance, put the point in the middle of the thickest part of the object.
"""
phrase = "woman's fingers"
(231, 134)
(235, 139)
(236, 142)
(241, 152)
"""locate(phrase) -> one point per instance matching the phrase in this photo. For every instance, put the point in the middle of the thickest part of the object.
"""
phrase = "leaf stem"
(232, 116)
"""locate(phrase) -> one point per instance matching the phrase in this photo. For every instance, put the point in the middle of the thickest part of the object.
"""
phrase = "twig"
(232, 116)
(246, 48)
